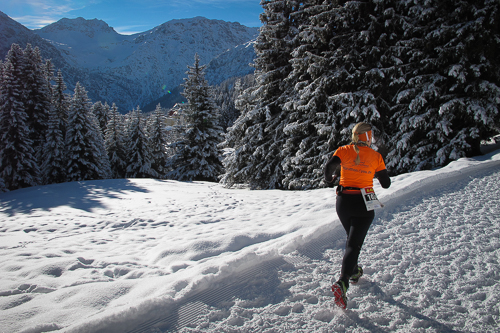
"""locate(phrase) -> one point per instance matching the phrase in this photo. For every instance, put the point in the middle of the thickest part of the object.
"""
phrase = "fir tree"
(54, 152)
(60, 99)
(450, 101)
(343, 73)
(2, 186)
(114, 143)
(225, 96)
(137, 146)
(423, 73)
(198, 154)
(158, 142)
(37, 98)
(257, 135)
(86, 159)
(18, 164)
(102, 114)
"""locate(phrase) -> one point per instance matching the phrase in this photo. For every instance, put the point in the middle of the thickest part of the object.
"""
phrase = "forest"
(424, 73)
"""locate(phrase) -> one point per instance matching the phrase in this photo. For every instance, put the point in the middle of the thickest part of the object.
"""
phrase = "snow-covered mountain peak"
(87, 27)
(132, 70)
(85, 43)
(209, 37)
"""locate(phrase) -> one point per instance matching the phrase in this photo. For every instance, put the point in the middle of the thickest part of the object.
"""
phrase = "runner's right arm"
(331, 167)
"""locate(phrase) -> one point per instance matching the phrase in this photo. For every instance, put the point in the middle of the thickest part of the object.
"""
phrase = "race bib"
(370, 198)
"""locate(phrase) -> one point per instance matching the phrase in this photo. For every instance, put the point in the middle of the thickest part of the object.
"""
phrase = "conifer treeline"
(48, 136)
(424, 73)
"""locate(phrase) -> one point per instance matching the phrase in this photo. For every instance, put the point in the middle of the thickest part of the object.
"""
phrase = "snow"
(144, 255)
(141, 64)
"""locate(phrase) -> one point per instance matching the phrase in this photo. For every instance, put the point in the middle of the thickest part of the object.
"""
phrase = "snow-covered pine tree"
(60, 99)
(2, 186)
(138, 158)
(115, 143)
(104, 164)
(176, 137)
(223, 98)
(54, 158)
(54, 152)
(257, 135)
(450, 102)
(198, 156)
(18, 164)
(337, 74)
(37, 98)
(86, 156)
(158, 142)
(53, 166)
(101, 111)
(226, 94)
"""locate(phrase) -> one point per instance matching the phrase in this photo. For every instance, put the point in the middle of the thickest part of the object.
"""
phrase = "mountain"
(234, 62)
(134, 70)
(14, 32)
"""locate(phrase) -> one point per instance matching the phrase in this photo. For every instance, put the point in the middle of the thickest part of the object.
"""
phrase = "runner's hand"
(333, 182)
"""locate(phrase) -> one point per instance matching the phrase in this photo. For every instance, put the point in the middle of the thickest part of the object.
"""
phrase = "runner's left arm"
(383, 178)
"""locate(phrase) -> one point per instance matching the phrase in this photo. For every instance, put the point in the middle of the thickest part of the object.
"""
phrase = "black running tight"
(356, 220)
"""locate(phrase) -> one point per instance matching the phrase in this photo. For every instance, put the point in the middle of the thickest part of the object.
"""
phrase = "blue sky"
(131, 16)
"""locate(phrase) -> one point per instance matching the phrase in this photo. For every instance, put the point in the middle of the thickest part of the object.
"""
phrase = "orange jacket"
(360, 175)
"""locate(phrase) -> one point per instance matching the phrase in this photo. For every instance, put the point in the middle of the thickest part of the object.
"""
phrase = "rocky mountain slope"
(134, 70)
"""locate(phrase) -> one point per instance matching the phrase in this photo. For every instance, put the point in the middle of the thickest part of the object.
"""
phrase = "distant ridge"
(135, 70)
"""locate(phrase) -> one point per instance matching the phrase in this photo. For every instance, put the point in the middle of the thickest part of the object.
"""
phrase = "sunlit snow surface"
(142, 255)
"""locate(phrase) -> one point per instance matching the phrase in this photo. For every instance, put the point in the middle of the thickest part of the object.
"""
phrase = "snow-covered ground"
(143, 255)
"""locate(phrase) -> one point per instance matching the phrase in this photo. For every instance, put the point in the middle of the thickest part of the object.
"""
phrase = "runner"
(359, 164)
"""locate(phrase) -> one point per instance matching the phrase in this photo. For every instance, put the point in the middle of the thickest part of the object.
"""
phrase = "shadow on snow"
(83, 195)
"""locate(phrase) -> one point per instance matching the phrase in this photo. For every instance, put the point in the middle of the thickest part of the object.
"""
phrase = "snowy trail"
(400, 292)
(163, 256)
(396, 294)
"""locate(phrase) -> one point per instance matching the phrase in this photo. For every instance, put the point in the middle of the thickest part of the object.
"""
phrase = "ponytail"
(360, 129)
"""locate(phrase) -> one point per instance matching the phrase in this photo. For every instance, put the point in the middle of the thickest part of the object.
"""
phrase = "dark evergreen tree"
(175, 134)
(102, 114)
(343, 71)
(158, 142)
(257, 135)
(37, 98)
(60, 99)
(18, 164)
(3, 188)
(225, 96)
(198, 156)
(86, 159)
(54, 152)
(450, 100)
(115, 144)
(137, 147)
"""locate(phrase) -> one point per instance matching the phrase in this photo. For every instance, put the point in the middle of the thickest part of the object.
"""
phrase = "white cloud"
(130, 29)
(57, 7)
(39, 13)
(194, 2)
(35, 22)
